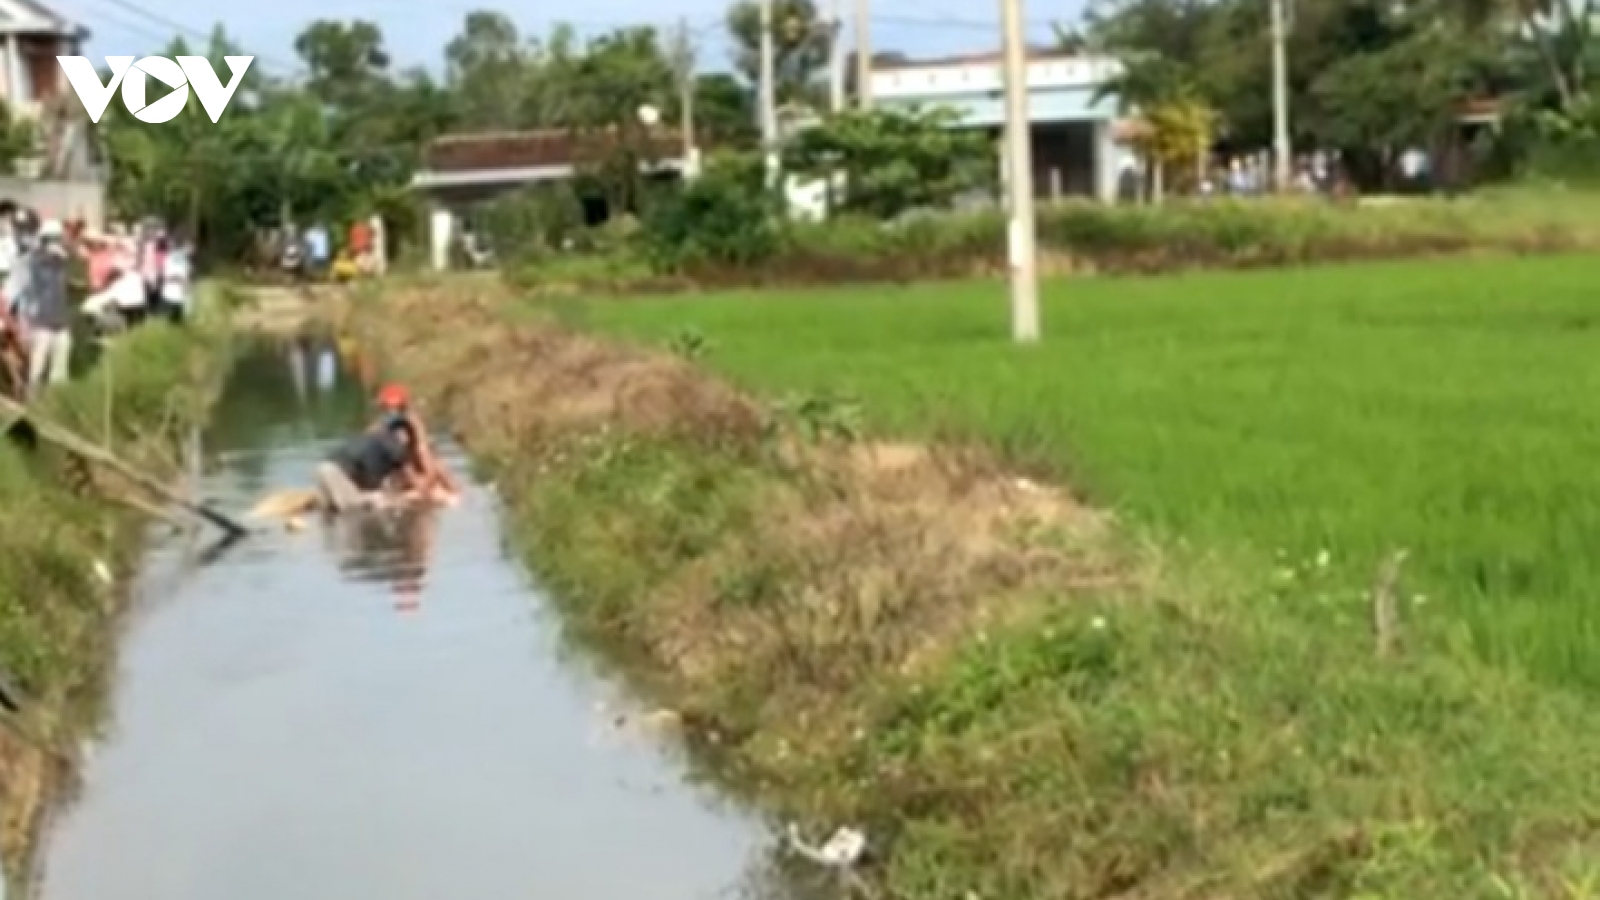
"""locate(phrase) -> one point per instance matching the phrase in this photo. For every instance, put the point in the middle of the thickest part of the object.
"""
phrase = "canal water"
(380, 712)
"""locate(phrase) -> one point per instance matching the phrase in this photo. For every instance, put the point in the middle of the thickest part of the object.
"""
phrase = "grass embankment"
(57, 530)
(1088, 237)
(1017, 695)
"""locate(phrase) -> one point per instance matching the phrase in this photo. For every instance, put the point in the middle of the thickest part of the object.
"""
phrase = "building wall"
(65, 200)
(959, 79)
(1059, 90)
(30, 75)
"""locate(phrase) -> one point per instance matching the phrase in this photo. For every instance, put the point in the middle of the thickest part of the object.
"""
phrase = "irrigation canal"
(381, 712)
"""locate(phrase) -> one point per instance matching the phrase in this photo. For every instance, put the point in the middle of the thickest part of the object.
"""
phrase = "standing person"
(152, 265)
(48, 311)
(175, 282)
(13, 347)
(9, 250)
(101, 255)
(360, 247)
(380, 246)
(319, 250)
(292, 258)
(16, 288)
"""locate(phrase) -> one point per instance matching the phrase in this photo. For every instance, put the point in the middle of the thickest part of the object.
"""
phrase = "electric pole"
(1019, 179)
(1280, 99)
(683, 61)
(835, 57)
(768, 92)
(863, 54)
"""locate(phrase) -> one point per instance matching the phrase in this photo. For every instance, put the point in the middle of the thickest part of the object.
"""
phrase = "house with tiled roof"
(66, 179)
(461, 172)
(31, 37)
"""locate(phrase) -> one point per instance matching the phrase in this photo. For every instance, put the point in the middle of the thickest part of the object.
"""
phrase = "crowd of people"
(315, 255)
(54, 274)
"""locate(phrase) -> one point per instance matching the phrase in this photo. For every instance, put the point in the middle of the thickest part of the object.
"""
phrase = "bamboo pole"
(66, 439)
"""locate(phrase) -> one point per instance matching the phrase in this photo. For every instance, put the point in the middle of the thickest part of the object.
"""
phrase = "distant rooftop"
(33, 17)
(529, 149)
(989, 57)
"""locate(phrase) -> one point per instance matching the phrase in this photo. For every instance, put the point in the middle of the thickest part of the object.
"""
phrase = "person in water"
(395, 403)
(373, 469)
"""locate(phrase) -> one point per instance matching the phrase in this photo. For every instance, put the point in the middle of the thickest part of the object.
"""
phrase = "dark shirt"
(48, 302)
(371, 458)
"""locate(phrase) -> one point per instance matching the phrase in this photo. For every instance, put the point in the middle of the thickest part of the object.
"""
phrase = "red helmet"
(393, 396)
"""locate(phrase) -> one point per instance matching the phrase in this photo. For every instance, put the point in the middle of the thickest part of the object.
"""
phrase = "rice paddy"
(1331, 415)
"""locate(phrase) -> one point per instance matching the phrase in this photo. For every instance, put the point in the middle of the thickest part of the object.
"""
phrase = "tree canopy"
(343, 136)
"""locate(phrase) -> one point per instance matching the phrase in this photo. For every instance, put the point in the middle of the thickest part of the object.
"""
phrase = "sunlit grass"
(1447, 406)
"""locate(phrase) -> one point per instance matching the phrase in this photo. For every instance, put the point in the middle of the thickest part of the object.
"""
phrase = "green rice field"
(1448, 407)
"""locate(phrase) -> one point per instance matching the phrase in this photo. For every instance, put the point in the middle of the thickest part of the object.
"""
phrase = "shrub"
(534, 221)
(725, 218)
(724, 229)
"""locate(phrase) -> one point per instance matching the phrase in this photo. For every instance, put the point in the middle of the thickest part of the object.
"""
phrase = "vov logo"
(187, 72)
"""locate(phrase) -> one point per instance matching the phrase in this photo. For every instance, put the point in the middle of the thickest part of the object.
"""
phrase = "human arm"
(434, 471)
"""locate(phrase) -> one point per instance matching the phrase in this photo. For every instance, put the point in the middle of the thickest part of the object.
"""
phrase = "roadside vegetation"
(66, 554)
(714, 235)
(1014, 692)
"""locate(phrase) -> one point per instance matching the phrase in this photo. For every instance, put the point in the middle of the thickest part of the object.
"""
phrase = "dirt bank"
(1014, 695)
(66, 554)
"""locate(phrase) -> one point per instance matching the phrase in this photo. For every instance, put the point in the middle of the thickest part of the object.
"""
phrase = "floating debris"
(842, 851)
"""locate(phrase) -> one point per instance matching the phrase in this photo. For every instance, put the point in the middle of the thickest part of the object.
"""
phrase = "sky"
(417, 30)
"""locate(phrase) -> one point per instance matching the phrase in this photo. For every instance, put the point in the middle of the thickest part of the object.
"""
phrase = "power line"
(179, 29)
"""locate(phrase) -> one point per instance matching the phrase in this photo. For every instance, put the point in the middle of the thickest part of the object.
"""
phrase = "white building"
(1074, 148)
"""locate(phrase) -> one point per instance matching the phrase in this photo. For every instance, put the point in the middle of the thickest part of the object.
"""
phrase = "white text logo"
(180, 76)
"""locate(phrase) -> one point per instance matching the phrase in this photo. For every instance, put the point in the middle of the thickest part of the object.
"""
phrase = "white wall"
(966, 78)
(65, 200)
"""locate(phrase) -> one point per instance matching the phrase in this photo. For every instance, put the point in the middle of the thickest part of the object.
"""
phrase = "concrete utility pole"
(683, 61)
(863, 54)
(768, 92)
(835, 57)
(1019, 179)
(1281, 151)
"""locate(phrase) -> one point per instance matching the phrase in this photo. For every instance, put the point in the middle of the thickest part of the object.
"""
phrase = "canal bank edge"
(67, 552)
(1013, 695)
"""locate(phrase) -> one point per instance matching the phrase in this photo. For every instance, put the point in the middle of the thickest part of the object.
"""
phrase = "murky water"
(377, 712)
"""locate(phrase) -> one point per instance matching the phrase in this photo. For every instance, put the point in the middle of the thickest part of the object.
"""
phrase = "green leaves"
(892, 161)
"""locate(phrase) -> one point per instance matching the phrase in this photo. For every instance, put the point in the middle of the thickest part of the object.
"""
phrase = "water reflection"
(389, 547)
(298, 352)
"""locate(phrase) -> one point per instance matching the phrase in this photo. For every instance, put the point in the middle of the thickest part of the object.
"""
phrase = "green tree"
(724, 112)
(18, 139)
(618, 75)
(800, 41)
(892, 161)
(191, 171)
(489, 73)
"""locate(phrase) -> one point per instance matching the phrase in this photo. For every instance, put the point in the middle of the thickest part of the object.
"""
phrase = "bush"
(1173, 237)
(534, 221)
(724, 230)
(726, 218)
